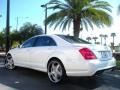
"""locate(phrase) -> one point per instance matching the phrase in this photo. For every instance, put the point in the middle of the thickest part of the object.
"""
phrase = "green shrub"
(117, 56)
(118, 64)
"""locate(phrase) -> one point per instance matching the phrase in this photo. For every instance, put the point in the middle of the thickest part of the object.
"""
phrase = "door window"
(28, 43)
(44, 41)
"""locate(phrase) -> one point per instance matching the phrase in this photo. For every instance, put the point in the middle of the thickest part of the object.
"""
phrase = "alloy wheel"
(55, 71)
(9, 64)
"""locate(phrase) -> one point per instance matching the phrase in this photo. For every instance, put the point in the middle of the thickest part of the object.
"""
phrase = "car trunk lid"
(101, 52)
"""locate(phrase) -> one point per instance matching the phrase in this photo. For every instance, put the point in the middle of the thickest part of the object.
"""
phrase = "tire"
(56, 71)
(9, 63)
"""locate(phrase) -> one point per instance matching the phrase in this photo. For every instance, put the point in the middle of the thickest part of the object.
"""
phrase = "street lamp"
(45, 6)
(17, 21)
(7, 26)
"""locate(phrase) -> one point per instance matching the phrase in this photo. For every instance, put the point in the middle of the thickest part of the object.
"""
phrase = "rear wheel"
(56, 71)
(9, 63)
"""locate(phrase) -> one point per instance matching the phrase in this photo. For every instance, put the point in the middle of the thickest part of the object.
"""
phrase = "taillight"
(87, 54)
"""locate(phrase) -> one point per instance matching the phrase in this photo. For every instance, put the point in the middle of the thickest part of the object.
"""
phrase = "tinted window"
(28, 43)
(44, 41)
(72, 39)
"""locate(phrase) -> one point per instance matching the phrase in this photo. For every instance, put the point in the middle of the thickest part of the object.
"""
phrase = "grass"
(118, 64)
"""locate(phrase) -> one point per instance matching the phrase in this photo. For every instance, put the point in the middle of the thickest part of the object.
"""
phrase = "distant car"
(2, 49)
(60, 56)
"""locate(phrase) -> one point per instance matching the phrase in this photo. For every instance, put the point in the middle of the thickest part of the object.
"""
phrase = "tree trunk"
(76, 27)
(101, 40)
(95, 41)
(113, 42)
(105, 41)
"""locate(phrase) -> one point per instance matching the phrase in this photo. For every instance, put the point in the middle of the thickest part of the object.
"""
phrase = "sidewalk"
(2, 59)
(2, 54)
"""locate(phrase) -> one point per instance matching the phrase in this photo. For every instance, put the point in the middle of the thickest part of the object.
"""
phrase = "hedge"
(116, 55)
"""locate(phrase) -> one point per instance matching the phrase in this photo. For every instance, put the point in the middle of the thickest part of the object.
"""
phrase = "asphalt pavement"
(27, 79)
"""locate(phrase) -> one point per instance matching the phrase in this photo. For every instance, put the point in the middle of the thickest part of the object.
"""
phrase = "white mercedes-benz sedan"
(60, 56)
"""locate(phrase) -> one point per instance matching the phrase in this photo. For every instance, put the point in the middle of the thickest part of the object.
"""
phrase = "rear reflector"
(87, 54)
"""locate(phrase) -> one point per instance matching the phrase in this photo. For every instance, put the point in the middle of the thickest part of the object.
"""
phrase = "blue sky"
(22, 9)
(32, 9)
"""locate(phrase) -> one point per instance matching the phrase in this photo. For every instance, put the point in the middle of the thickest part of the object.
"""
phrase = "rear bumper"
(101, 71)
(93, 67)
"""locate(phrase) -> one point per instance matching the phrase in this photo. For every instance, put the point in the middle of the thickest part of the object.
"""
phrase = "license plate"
(105, 54)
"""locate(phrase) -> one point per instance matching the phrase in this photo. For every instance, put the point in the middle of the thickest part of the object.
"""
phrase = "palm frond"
(87, 12)
(118, 9)
(86, 22)
(102, 5)
(98, 17)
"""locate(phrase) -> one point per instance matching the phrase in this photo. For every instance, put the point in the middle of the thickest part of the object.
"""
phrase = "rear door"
(43, 48)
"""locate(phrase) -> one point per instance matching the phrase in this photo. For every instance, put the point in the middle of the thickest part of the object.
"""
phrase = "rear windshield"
(72, 39)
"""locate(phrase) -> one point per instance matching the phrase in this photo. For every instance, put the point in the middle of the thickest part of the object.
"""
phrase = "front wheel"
(56, 71)
(9, 63)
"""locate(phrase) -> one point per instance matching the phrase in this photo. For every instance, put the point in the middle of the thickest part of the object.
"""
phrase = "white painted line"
(2, 65)
(5, 87)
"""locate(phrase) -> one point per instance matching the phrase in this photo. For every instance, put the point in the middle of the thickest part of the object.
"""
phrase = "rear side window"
(72, 39)
(44, 41)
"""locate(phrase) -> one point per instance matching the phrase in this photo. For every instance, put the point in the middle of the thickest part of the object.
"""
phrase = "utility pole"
(45, 6)
(16, 23)
(8, 26)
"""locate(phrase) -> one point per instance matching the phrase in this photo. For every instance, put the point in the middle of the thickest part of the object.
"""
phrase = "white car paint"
(75, 65)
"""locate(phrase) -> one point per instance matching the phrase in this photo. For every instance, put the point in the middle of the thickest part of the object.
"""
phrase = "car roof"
(58, 40)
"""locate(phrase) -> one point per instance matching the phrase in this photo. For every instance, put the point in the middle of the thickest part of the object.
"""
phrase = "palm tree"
(88, 39)
(97, 42)
(118, 9)
(101, 36)
(113, 36)
(82, 13)
(105, 36)
(95, 39)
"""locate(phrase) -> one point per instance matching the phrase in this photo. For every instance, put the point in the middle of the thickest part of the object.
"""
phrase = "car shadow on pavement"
(27, 79)
(104, 82)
